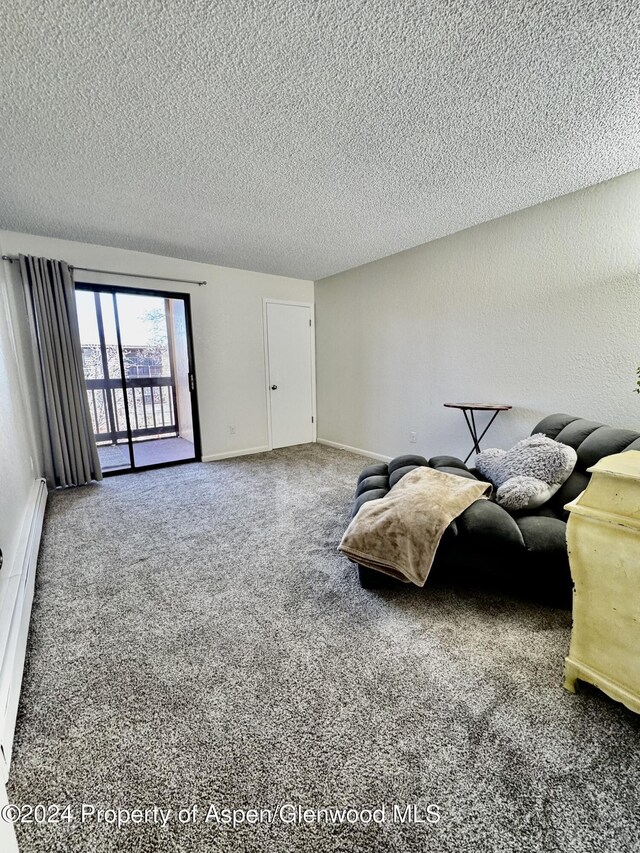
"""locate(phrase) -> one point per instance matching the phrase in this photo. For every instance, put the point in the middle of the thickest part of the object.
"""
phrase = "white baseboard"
(15, 612)
(357, 450)
(233, 453)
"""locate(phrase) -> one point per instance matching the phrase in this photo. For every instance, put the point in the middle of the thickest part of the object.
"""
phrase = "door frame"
(267, 300)
(165, 294)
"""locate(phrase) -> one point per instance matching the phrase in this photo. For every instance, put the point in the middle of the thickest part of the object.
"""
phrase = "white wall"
(540, 309)
(227, 329)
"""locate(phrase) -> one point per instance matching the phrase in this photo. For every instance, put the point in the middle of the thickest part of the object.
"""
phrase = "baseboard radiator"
(17, 587)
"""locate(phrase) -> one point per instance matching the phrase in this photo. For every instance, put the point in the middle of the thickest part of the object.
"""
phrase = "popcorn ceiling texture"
(304, 138)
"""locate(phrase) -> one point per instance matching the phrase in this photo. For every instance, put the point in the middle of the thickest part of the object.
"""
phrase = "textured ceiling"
(304, 138)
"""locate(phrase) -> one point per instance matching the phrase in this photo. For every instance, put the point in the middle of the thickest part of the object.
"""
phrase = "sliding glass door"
(138, 363)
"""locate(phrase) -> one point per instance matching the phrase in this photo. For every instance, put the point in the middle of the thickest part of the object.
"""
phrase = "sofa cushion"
(546, 511)
(371, 495)
(403, 461)
(576, 432)
(447, 462)
(552, 425)
(604, 442)
(541, 534)
(399, 473)
(378, 481)
(380, 469)
(489, 525)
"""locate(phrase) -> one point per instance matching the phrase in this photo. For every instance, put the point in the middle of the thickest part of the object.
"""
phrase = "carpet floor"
(197, 641)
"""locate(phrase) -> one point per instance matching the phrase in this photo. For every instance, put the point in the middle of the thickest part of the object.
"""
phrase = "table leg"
(483, 433)
(471, 424)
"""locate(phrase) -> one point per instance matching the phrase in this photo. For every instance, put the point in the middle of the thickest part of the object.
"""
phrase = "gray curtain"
(70, 452)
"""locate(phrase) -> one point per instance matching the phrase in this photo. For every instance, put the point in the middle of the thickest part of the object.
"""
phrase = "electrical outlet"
(232, 429)
(413, 437)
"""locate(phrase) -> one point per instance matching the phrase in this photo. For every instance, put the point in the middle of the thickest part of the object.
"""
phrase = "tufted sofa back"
(591, 441)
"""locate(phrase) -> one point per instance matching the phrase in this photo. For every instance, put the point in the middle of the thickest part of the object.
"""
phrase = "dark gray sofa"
(523, 552)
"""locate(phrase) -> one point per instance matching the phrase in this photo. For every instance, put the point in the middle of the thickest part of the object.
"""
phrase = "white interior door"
(290, 373)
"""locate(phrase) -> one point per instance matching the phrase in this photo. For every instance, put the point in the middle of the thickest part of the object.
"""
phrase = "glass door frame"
(114, 290)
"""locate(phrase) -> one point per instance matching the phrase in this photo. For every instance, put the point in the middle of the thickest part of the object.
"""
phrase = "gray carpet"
(196, 639)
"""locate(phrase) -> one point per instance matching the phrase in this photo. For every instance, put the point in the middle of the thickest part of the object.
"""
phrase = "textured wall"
(304, 138)
(540, 309)
(227, 329)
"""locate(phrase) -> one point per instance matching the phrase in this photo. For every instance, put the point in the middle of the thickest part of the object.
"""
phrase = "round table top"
(484, 407)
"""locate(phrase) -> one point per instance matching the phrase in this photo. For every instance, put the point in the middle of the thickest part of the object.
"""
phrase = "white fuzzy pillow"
(529, 474)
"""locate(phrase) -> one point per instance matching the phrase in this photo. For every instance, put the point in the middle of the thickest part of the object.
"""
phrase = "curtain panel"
(70, 452)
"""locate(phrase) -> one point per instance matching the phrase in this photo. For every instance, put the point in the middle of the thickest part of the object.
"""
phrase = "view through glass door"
(138, 366)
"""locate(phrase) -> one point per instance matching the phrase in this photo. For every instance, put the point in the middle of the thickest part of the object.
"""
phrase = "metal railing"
(151, 402)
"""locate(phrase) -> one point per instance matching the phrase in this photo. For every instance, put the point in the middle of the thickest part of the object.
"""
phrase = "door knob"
(273, 387)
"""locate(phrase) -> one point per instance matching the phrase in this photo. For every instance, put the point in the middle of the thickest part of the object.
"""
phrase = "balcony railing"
(151, 403)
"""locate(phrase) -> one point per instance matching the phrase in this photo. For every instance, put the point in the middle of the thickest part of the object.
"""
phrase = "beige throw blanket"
(399, 533)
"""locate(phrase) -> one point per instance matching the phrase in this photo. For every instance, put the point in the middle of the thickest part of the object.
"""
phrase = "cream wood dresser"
(603, 535)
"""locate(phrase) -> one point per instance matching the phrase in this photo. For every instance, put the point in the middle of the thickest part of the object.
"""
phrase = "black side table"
(468, 410)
